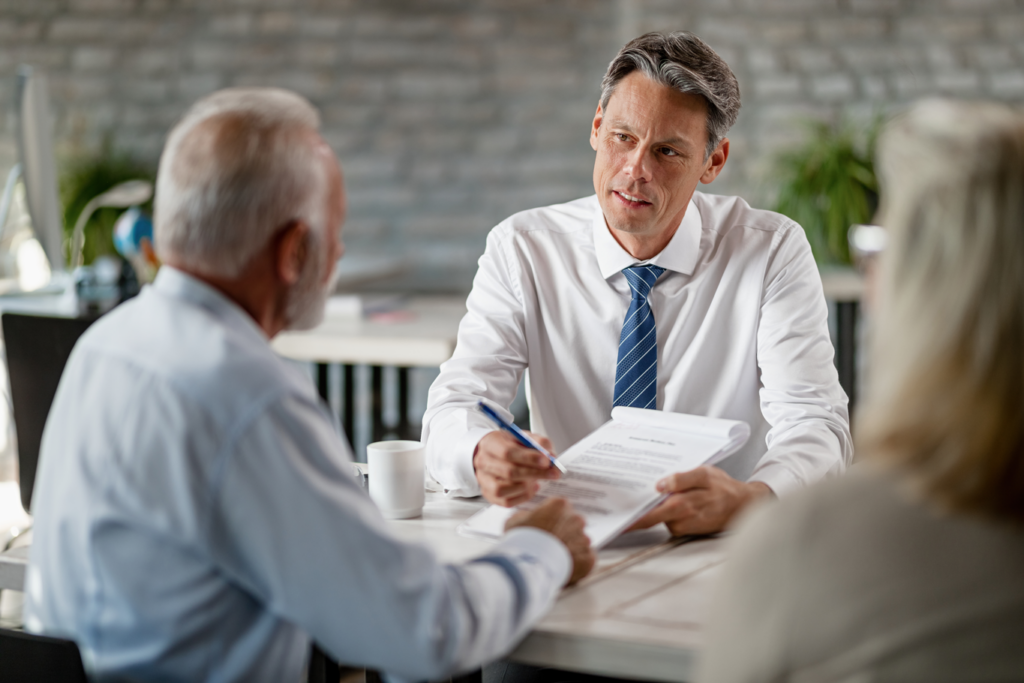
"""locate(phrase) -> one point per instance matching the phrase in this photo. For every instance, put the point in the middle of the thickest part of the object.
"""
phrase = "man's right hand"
(556, 517)
(509, 473)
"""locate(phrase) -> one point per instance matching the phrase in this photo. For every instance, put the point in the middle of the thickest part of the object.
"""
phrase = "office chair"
(28, 658)
(37, 350)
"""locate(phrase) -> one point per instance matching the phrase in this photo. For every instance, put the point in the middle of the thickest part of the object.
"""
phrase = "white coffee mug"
(396, 477)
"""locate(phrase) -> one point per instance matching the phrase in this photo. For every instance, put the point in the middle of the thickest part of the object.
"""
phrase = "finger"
(518, 519)
(714, 508)
(528, 457)
(684, 481)
(581, 553)
(695, 525)
(572, 524)
(543, 441)
(689, 527)
(707, 515)
(572, 532)
(556, 507)
(509, 446)
(678, 506)
(582, 563)
(500, 492)
(512, 461)
(519, 489)
(508, 472)
(516, 455)
(579, 543)
(503, 447)
(653, 517)
(517, 500)
(643, 523)
(548, 514)
(530, 492)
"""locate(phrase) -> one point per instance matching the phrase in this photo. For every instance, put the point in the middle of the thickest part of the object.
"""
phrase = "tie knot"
(642, 278)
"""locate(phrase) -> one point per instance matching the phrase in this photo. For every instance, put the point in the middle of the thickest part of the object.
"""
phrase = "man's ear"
(595, 128)
(292, 252)
(716, 162)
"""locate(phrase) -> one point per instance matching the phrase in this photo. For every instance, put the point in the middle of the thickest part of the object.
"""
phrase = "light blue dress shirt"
(196, 519)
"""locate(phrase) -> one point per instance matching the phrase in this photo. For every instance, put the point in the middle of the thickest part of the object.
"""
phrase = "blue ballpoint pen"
(521, 436)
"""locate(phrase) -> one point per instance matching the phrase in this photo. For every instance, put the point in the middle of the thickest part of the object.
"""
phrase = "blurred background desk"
(844, 289)
(13, 564)
(419, 332)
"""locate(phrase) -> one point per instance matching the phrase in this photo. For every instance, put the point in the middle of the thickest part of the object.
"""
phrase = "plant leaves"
(829, 184)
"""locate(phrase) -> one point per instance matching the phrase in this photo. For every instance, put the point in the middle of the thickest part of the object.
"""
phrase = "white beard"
(307, 300)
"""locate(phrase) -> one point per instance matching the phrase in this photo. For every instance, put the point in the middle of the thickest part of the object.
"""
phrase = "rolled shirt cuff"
(778, 478)
(530, 544)
(459, 481)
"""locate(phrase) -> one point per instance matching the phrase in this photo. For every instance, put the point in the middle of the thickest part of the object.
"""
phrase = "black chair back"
(28, 658)
(37, 351)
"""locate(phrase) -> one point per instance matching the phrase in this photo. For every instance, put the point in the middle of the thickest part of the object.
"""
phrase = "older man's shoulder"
(188, 347)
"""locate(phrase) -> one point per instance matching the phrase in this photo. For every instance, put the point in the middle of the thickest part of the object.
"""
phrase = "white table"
(644, 621)
(421, 333)
(640, 614)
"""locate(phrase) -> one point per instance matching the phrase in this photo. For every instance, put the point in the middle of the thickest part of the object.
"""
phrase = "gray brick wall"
(449, 115)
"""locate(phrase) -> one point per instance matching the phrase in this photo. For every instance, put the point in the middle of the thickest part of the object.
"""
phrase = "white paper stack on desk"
(613, 471)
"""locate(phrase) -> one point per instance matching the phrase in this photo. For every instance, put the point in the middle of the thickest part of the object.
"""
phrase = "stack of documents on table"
(613, 471)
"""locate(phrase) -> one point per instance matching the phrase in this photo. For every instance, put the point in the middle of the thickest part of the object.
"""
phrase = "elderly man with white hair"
(195, 513)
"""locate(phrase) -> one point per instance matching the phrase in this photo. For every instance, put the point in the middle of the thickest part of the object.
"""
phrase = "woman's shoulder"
(845, 570)
(854, 501)
(870, 525)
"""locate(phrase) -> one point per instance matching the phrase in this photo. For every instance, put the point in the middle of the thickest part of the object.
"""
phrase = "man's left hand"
(701, 501)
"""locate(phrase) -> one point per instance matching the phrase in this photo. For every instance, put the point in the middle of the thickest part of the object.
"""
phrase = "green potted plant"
(87, 177)
(829, 184)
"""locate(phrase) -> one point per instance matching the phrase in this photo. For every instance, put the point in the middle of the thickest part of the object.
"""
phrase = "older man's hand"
(557, 517)
(701, 501)
(509, 473)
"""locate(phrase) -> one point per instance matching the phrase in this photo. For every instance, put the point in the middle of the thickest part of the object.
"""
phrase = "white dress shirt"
(196, 519)
(742, 334)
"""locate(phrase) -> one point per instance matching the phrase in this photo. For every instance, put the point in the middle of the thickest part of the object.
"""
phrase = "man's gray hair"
(685, 63)
(236, 168)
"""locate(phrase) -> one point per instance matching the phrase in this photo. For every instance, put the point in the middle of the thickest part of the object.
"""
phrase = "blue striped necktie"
(636, 375)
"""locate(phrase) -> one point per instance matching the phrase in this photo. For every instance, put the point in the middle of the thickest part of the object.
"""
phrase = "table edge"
(605, 656)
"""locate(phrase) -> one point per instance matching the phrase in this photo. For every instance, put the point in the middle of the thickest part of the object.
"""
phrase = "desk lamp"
(121, 196)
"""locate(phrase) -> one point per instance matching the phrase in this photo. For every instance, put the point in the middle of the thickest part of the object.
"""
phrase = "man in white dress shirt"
(196, 516)
(648, 294)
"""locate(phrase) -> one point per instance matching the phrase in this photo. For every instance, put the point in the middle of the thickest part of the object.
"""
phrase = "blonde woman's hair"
(946, 390)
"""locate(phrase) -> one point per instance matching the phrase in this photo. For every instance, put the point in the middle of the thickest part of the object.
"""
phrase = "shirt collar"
(679, 255)
(180, 285)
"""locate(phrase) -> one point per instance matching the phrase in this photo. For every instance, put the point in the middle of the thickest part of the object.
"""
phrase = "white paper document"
(613, 471)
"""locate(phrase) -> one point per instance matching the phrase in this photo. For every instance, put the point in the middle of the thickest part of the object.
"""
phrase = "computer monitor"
(38, 348)
(38, 163)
